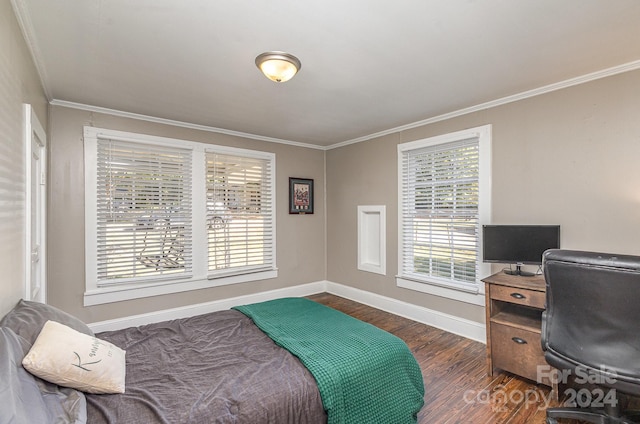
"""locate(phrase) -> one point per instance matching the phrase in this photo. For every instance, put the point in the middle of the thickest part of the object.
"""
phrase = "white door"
(35, 199)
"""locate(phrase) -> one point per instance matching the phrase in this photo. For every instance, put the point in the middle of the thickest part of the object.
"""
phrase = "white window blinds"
(240, 223)
(165, 215)
(440, 213)
(144, 228)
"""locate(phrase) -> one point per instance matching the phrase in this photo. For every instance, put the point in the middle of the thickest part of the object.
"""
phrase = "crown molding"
(627, 67)
(631, 66)
(24, 21)
(23, 17)
(123, 114)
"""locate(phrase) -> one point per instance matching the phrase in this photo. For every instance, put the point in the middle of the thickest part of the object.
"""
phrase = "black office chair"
(591, 331)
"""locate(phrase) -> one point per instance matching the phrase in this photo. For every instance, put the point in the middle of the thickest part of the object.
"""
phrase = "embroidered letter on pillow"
(69, 358)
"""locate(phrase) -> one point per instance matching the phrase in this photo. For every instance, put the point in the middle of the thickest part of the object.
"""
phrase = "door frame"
(35, 215)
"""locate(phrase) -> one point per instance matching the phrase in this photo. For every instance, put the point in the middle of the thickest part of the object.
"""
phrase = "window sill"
(98, 296)
(461, 295)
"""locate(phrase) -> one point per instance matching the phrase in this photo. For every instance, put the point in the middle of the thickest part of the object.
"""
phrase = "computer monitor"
(518, 244)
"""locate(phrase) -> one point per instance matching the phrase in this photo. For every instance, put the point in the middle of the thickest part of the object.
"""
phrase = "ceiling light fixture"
(278, 66)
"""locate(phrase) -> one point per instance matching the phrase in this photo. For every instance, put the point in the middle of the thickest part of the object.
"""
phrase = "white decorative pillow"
(69, 358)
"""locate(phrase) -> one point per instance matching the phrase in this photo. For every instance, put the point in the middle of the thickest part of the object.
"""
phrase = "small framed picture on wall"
(300, 196)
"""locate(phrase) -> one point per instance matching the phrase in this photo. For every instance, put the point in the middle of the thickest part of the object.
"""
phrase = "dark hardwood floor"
(457, 388)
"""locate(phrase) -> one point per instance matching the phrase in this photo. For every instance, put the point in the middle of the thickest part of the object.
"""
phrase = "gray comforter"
(213, 368)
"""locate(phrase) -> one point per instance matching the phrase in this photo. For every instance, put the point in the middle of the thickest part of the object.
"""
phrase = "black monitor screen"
(519, 244)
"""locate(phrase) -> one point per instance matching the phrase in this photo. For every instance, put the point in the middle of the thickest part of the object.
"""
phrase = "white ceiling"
(368, 66)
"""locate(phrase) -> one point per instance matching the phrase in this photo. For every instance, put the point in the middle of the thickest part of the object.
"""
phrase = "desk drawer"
(516, 350)
(526, 297)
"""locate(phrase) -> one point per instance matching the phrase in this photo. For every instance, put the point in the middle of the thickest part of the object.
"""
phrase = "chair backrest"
(592, 317)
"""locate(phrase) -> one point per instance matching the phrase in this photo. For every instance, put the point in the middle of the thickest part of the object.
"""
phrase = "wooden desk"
(514, 307)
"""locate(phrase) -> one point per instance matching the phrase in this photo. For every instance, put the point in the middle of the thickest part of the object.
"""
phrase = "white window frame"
(200, 279)
(469, 293)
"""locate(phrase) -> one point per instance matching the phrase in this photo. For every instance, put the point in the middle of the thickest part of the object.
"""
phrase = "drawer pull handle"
(518, 296)
(519, 340)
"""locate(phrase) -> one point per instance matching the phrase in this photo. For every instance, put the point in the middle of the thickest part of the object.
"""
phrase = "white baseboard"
(204, 308)
(466, 328)
(463, 327)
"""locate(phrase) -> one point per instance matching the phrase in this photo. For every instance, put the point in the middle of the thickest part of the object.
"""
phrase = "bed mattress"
(212, 368)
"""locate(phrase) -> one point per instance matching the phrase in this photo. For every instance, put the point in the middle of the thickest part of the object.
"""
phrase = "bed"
(288, 360)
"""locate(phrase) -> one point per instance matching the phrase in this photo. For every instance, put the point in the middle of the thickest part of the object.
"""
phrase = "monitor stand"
(519, 271)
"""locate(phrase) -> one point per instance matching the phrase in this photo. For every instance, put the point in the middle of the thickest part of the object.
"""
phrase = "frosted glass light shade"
(278, 66)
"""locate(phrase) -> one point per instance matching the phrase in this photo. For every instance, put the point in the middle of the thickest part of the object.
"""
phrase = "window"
(165, 215)
(444, 197)
(240, 228)
(143, 212)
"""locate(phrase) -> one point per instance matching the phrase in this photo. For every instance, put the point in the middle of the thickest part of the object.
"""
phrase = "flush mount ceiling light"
(278, 66)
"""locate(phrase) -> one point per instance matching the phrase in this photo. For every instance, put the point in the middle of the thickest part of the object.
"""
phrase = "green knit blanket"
(364, 374)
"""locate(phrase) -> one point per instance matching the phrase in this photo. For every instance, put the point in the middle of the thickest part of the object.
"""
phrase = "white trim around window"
(428, 218)
(167, 199)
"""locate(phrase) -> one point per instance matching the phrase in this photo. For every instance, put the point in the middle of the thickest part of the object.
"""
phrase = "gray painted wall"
(300, 239)
(19, 83)
(570, 157)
